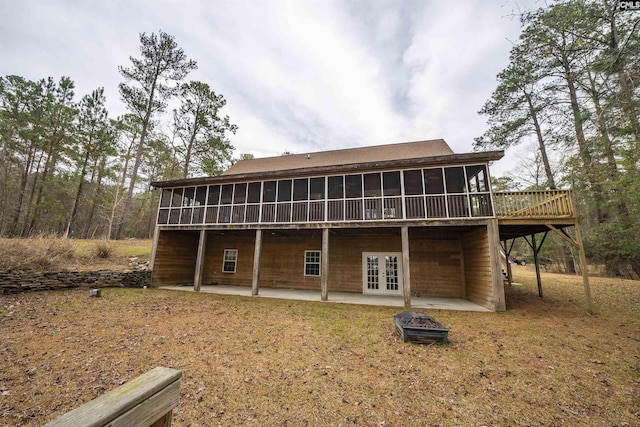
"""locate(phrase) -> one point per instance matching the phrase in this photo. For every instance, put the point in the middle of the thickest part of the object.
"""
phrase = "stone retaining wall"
(15, 282)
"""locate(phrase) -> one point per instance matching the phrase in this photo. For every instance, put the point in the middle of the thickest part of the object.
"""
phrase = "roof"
(402, 155)
(377, 153)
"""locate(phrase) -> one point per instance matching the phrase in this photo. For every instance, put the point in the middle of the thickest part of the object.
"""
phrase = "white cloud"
(297, 75)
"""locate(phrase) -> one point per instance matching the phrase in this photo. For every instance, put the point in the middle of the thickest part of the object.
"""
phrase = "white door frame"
(382, 276)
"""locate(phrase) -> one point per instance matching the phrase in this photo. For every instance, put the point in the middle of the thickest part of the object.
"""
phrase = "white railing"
(420, 207)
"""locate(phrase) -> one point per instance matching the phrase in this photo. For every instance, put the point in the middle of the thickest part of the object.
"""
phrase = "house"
(395, 220)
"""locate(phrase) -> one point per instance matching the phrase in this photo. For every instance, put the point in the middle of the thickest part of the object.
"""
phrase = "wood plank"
(256, 262)
(202, 244)
(406, 272)
(324, 263)
(141, 401)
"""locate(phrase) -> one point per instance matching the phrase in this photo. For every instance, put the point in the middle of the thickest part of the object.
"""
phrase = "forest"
(67, 168)
(569, 100)
(570, 96)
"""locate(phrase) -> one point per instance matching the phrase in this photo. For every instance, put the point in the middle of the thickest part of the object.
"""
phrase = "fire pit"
(420, 328)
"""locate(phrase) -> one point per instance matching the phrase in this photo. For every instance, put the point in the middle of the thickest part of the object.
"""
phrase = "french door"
(382, 273)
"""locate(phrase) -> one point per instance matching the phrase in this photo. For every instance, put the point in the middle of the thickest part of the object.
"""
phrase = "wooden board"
(141, 402)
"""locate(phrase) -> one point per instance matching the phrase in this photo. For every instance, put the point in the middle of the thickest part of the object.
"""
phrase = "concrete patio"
(339, 297)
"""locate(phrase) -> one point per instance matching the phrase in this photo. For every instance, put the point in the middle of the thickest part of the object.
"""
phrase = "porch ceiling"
(512, 231)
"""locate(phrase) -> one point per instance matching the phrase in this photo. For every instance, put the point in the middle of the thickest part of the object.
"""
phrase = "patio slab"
(339, 297)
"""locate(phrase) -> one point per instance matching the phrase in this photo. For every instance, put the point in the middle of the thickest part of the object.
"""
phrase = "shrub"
(103, 250)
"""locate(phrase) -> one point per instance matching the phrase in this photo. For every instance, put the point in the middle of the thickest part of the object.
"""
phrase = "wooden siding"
(477, 267)
(216, 244)
(436, 265)
(282, 259)
(175, 258)
(445, 262)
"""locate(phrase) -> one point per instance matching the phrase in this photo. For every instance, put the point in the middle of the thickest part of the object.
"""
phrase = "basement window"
(311, 263)
(230, 261)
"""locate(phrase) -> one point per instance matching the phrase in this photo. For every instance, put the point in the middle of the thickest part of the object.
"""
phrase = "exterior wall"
(175, 257)
(477, 267)
(436, 263)
(436, 266)
(282, 259)
(216, 244)
(345, 256)
(446, 262)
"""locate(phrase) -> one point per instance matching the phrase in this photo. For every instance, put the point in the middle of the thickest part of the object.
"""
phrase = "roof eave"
(449, 159)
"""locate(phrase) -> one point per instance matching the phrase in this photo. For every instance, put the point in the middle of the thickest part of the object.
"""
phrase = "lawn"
(263, 362)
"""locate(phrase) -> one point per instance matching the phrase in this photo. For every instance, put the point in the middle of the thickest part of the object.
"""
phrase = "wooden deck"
(523, 213)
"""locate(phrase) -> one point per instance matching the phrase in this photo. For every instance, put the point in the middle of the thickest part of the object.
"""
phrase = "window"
(316, 188)
(477, 179)
(336, 187)
(227, 194)
(187, 199)
(353, 184)
(201, 196)
(433, 183)
(412, 183)
(311, 263)
(230, 260)
(176, 200)
(372, 185)
(214, 195)
(284, 190)
(254, 193)
(391, 182)
(300, 189)
(165, 200)
(269, 191)
(240, 193)
(455, 180)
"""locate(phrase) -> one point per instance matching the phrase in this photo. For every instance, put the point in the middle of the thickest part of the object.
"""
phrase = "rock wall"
(15, 282)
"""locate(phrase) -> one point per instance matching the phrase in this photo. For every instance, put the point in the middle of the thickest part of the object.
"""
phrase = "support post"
(154, 247)
(535, 261)
(577, 243)
(256, 262)
(507, 254)
(406, 272)
(583, 267)
(493, 236)
(202, 244)
(324, 265)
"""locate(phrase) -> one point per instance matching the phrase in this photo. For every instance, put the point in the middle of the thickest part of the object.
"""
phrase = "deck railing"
(145, 401)
(534, 204)
(387, 208)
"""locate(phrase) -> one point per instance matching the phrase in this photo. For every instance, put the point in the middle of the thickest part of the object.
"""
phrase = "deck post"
(583, 267)
(324, 265)
(154, 246)
(493, 235)
(507, 253)
(406, 273)
(202, 244)
(535, 261)
(256, 262)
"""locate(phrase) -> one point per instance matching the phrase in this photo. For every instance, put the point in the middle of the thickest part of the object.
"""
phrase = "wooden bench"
(142, 402)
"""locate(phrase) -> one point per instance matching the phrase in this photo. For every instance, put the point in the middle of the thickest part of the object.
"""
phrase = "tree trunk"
(584, 151)
(541, 145)
(76, 202)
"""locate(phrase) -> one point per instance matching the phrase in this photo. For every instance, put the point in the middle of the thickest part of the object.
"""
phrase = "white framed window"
(230, 260)
(311, 263)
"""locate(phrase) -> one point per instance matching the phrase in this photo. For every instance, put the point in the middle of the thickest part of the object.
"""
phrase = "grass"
(259, 361)
(53, 254)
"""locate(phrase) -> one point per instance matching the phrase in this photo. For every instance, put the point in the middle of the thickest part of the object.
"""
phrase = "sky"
(298, 76)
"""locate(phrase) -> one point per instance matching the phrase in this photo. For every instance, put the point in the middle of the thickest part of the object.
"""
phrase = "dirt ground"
(265, 362)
